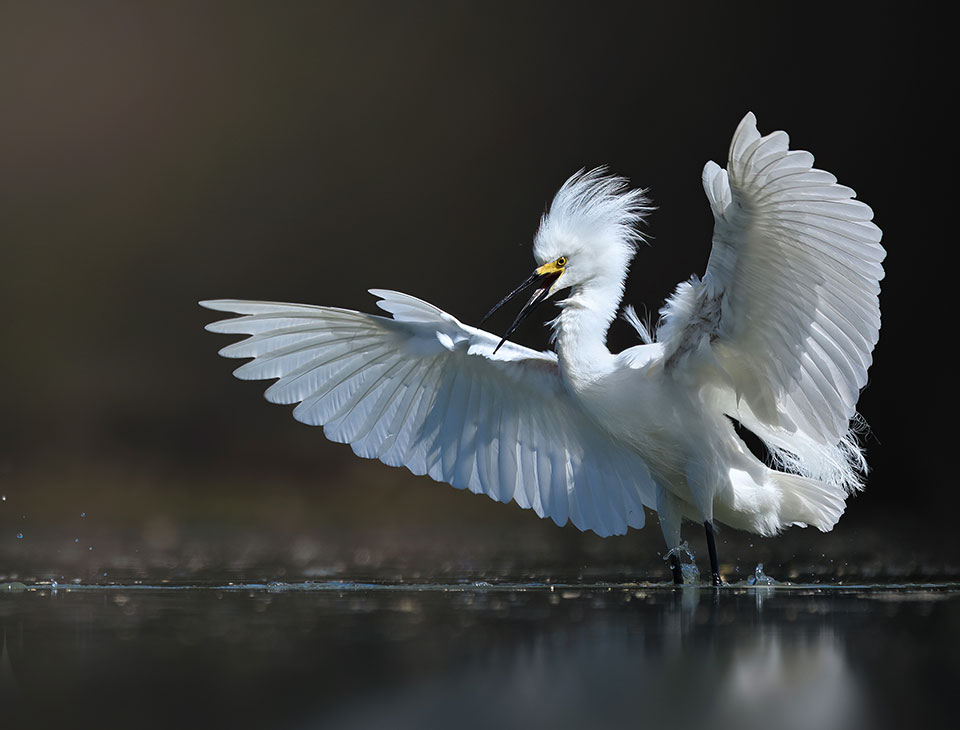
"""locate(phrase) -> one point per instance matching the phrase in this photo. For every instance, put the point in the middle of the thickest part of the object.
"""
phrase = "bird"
(775, 338)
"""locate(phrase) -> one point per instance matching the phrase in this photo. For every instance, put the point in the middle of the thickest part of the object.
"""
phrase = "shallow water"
(179, 626)
(476, 654)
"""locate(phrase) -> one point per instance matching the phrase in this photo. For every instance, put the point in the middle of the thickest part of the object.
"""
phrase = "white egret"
(777, 334)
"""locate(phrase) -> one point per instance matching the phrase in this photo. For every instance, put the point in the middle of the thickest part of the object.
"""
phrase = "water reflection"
(481, 657)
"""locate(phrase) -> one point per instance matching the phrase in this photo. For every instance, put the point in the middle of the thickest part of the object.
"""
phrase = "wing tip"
(745, 134)
(747, 125)
(220, 305)
(714, 180)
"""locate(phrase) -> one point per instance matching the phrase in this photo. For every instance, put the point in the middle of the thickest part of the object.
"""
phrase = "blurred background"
(152, 155)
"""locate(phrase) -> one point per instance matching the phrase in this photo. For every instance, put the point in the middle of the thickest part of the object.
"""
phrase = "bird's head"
(585, 242)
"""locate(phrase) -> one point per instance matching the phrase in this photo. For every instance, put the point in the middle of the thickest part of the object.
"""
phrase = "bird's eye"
(561, 262)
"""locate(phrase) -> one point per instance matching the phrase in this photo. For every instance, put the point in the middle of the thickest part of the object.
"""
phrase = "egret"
(776, 337)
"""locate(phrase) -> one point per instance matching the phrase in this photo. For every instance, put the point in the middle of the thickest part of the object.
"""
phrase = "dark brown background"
(155, 154)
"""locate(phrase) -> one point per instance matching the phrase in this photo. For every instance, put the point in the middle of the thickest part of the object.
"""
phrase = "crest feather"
(592, 208)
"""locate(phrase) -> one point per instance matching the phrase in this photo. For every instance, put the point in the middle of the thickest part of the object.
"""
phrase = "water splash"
(759, 578)
(690, 573)
(688, 570)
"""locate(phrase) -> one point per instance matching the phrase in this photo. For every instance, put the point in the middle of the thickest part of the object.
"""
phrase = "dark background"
(155, 154)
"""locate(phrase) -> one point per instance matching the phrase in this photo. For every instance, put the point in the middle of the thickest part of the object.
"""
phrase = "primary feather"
(424, 391)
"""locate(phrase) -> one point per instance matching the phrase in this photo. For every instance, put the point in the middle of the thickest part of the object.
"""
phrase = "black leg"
(675, 569)
(712, 548)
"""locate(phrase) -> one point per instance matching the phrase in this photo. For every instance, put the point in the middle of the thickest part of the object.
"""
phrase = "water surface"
(475, 654)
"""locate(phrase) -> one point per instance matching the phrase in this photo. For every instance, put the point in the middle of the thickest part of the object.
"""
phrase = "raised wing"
(795, 268)
(424, 391)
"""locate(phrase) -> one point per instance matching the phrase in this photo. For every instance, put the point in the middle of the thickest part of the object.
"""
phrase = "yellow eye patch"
(553, 267)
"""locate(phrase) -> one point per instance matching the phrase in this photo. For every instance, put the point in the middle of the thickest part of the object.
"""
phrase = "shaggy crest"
(594, 212)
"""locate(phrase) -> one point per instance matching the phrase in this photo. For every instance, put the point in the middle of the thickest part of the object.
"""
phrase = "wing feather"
(796, 266)
(422, 390)
(509, 463)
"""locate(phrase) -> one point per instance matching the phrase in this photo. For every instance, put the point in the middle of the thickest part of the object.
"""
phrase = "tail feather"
(806, 501)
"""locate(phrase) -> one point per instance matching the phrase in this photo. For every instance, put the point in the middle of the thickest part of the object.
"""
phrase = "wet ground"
(222, 632)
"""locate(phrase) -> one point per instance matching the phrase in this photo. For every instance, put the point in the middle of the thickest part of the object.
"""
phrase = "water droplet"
(90, 548)
(19, 535)
(3, 498)
(76, 539)
(83, 514)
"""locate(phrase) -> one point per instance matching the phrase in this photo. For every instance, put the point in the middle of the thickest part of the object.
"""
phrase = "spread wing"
(789, 300)
(424, 391)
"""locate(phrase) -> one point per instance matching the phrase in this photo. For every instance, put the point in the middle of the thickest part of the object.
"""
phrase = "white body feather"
(777, 334)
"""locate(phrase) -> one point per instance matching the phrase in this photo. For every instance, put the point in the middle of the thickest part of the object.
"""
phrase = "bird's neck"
(580, 333)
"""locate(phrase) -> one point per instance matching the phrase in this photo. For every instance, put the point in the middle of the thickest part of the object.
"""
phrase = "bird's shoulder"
(639, 357)
(689, 317)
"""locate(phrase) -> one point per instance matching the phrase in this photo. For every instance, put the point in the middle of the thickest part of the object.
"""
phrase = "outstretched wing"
(424, 391)
(789, 301)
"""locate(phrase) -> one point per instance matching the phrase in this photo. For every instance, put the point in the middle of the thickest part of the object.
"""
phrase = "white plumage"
(777, 334)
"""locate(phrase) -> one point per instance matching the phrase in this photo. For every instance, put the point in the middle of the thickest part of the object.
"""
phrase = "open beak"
(543, 278)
